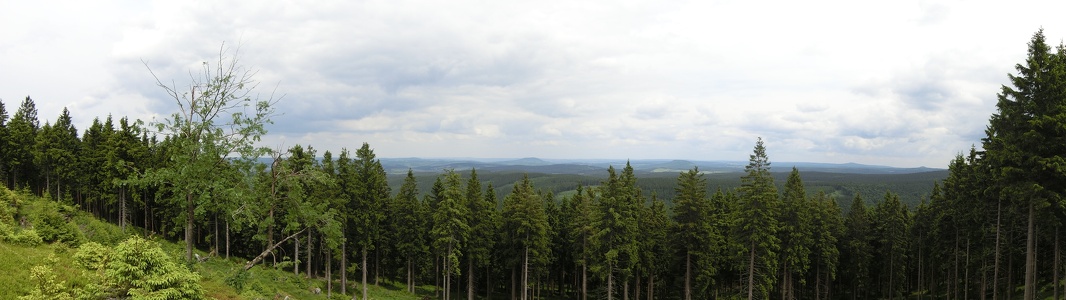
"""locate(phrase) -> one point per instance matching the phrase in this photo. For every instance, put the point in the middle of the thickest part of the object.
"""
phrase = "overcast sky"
(900, 83)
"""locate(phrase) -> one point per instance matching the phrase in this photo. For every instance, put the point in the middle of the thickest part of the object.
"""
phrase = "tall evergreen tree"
(757, 224)
(582, 232)
(22, 135)
(526, 227)
(856, 251)
(4, 146)
(795, 234)
(366, 207)
(1023, 142)
(617, 227)
(891, 221)
(482, 219)
(409, 242)
(696, 234)
(450, 230)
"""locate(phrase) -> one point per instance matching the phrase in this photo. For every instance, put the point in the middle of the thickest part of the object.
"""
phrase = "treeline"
(337, 216)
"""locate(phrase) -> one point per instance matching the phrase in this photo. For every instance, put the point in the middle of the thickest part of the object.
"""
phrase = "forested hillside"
(989, 228)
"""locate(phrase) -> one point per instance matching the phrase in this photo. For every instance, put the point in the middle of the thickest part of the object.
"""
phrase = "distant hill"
(591, 166)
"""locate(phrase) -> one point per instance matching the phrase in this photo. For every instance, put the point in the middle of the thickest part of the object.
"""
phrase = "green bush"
(92, 256)
(52, 224)
(28, 238)
(143, 269)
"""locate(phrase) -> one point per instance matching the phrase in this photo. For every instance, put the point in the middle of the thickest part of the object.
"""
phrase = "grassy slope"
(262, 282)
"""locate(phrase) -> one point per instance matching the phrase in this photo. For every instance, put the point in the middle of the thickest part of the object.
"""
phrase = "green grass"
(260, 283)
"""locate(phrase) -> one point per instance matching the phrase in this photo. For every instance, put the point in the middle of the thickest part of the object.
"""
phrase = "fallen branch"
(270, 249)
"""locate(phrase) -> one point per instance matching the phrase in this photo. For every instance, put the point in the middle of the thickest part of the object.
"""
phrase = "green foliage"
(52, 222)
(25, 237)
(46, 286)
(92, 256)
(757, 223)
(141, 268)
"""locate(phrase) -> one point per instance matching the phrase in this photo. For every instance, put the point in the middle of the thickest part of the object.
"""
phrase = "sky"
(897, 83)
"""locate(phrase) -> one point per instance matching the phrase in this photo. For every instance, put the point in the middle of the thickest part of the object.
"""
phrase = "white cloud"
(902, 83)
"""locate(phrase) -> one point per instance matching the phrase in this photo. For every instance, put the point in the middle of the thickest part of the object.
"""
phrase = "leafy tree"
(757, 224)
(219, 115)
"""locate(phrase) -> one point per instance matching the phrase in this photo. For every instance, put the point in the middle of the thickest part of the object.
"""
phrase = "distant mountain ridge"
(594, 166)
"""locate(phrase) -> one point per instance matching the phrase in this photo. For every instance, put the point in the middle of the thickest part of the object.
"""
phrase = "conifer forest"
(200, 178)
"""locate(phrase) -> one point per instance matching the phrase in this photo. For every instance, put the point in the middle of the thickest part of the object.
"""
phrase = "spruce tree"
(795, 234)
(757, 224)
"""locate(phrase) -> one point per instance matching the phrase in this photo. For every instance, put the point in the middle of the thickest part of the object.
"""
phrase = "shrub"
(92, 256)
(28, 238)
(52, 225)
(141, 267)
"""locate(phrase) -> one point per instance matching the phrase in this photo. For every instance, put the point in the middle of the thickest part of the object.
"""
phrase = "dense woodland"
(990, 230)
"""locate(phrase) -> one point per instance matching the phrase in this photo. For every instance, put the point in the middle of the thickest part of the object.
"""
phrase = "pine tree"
(757, 224)
(795, 234)
(1023, 143)
(856, 251)
(582, 232)
(22, 136)
(450, 230)
(890, 223)
(368, 194)
(409, 242)
(526, 228)
(696, 234)
(4, 146)
(482, 219)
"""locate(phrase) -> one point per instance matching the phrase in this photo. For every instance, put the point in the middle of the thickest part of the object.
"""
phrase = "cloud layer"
(905, 83)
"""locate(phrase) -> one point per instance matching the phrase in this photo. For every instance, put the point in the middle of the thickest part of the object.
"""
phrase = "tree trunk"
(308, 262)
(995, 268)
(651, 287)
(1030, 255)
(636, 288)
(189, 214)
(688, 276)
(364, 274)
(751, 272)
(344, 267)
(1055, 277)
(410, 273)
(525, 274)
(469, 279)
(296, 257)
(270, 249)
(329, 273)
(610, 281)
(227, 239)
(584, 280)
